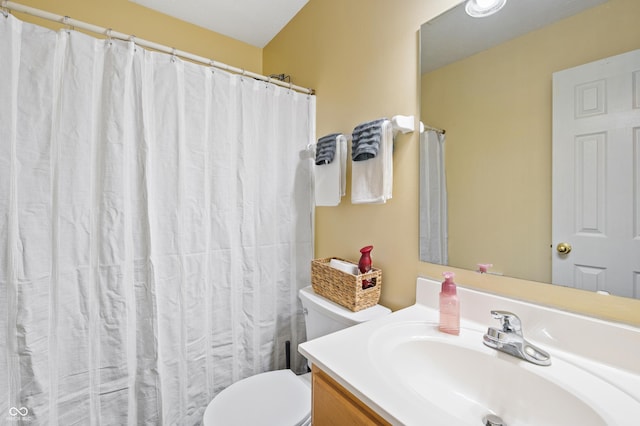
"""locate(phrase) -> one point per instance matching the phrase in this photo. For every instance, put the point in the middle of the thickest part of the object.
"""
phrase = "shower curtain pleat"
(54, 288)
(128, 172)
(9, 371)
(223, 230)
(148, 383)
(156, 227)
(30, 220)
(166, 225)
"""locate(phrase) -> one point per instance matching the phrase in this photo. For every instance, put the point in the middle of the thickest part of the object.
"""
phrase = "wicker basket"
(343, 288)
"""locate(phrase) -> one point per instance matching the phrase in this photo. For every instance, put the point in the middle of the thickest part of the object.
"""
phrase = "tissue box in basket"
(343, 288)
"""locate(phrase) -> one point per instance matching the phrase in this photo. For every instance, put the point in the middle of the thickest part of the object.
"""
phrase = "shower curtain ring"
(65, 21)
(109, 37)
(5, 9)
(132, 39)
(173, 54)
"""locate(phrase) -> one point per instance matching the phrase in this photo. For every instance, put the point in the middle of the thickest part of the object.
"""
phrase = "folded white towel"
(372, 179)
(348, 267)
(331, 179)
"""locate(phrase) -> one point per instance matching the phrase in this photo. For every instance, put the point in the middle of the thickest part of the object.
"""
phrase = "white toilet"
(280, 397)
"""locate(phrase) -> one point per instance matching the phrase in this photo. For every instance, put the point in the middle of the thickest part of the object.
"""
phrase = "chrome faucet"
(508, 339)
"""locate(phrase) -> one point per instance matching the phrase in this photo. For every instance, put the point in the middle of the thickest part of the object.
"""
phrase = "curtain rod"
(108, 32)
(435, 129)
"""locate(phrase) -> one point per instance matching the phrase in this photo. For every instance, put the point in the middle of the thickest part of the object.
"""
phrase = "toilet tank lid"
(364, 315)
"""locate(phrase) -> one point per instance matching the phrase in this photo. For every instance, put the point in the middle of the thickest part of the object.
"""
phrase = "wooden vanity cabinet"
(334, 405)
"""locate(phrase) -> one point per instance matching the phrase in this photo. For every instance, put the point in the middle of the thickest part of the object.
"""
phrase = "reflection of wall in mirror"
(496, 108)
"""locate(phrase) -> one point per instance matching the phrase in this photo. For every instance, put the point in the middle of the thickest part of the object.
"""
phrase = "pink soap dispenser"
(449, 306)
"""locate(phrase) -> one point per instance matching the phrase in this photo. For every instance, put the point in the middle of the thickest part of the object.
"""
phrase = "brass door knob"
(564, 248)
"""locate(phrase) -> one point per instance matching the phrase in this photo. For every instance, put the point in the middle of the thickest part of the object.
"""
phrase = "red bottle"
(365, 265)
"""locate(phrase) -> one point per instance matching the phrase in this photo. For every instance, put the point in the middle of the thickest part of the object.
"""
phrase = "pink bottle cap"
(448, 286)
(484, 267)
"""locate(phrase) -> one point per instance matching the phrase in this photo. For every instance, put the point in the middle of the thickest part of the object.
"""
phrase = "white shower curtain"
(155, 227)
(434, 244)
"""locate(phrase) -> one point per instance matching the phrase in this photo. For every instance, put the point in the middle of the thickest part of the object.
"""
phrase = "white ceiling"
(255, 22)
(455, 35)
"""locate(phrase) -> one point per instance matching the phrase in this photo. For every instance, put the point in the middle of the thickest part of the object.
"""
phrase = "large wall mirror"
(488, 83)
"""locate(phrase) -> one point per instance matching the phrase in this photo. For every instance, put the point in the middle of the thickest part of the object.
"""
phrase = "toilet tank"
(323, 316)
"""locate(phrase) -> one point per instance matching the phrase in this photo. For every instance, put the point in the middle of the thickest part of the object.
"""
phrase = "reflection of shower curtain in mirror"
(433, 199)
(155, 227)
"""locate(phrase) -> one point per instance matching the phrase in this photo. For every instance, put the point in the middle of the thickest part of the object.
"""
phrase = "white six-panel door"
(596, 184)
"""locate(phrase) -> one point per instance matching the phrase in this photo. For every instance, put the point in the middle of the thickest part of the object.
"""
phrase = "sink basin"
(467, 380)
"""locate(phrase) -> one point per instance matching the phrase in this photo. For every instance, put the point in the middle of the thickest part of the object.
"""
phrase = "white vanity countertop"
(607, 349)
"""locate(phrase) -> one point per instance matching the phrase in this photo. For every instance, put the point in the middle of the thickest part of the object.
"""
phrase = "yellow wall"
(131, 18)
(496, 108)
(361, 57)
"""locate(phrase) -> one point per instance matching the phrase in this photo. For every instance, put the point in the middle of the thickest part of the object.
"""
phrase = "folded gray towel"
(326, 149)
(366, 140)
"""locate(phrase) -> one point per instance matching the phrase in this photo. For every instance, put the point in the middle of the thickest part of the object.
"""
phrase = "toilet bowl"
(281, 397)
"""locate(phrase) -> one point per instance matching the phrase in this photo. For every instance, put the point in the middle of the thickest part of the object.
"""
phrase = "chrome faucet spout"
(509, 339)
(510, 321)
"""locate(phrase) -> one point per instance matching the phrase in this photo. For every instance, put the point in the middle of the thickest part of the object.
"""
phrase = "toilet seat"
(273, 398)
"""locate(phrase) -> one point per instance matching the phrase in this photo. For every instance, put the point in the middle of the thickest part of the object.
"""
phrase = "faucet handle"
(509, 321)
